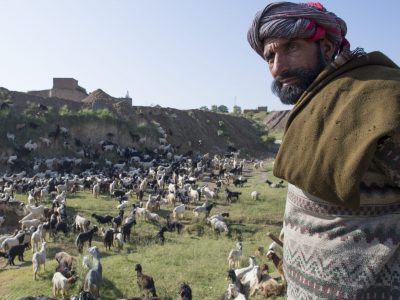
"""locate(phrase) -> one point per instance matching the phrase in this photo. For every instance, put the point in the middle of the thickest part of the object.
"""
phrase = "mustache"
(296, 73)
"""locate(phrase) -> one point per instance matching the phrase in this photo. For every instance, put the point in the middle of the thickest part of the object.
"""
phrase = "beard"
(291, 93)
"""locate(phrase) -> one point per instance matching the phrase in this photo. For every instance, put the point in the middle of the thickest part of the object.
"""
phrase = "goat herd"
(173, 185)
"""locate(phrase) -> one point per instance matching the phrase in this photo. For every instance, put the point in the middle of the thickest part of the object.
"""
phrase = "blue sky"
(176, 53)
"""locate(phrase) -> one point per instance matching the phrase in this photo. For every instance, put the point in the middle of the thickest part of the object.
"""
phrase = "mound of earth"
(187, 130)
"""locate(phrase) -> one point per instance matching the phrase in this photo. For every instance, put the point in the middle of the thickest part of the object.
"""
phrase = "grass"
(198, 256)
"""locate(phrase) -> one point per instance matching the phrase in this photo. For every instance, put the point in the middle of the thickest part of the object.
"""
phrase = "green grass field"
(198, 256)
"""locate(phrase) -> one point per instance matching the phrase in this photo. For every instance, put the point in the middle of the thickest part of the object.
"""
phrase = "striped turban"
(309, 21)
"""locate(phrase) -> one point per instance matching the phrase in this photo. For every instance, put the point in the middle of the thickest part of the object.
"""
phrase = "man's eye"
(292, 46)
(270, 58)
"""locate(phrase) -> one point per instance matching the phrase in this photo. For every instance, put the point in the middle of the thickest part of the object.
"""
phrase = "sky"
(182, 54)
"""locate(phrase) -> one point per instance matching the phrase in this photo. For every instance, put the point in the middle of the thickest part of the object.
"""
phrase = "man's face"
(294, 64)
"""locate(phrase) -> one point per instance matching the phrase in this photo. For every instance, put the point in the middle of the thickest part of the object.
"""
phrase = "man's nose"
(279, 66)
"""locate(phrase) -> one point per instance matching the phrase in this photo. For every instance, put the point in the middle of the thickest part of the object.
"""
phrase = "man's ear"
(328, 49)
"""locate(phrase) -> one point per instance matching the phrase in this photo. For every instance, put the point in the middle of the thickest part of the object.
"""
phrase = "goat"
(126, 230)
(218, 225)
(185, 291)
(233, 293)
(241, 272)
(174, 225)
(269, 288)
(29, 223)
(63, 258)
(96, 190)
(85, 237)
(205, 208)
(271, 255)
(239, 182)
(145, 282)
(13, 241)
(2, 220)
(254, 195)
(151, 216)
(62, 284)
(160, 235)
(252, 278)
(117, 221)
(14, 251)
(83, 295)
(36, 238)
(81, 223)
(229, 195)
(178, 211)
(39, 258)
(235, 255)
(275, 185)
(94, 276)
(235, 280)
(119, 239)
(102, 219)
(109, 238)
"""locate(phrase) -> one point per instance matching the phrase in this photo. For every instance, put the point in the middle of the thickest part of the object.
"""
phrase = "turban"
(309, 21)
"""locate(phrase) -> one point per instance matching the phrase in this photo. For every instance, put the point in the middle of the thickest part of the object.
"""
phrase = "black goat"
(84, 295)
(174, 225)
(239, 182)
(109, 238)
(232, 277)
(61, 226)
(126, 230)
(85, 237)
(185, 291)
(14, 251)
(41, 297)
(117, 221)
(160, 235)
(229, 195)
(145, 282)
(107, 219)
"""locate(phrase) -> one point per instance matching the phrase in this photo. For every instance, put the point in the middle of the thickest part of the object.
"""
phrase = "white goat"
(242, 271)
(11, 136)
(178, 211)
(45, 141)
(81, 223)
(123, 205)
(39, 258)
(61, 284)
(36, 238)
(31, 199)
(218, 225)
(2, 220)
(119, 241)
(235, 255)
(254, 195)
(151, 216)
(96, 190)
(29, 223)
(10, 241)
(30, 146)
(252, 278)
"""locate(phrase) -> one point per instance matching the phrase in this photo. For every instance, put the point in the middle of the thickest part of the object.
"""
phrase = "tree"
(205, 108)
(214, 108)
(223, 109)
(237, 110)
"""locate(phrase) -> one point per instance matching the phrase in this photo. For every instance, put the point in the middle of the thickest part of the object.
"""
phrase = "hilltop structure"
(68, 88)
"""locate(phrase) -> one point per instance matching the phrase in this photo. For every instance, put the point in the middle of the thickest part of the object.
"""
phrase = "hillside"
(101, 117)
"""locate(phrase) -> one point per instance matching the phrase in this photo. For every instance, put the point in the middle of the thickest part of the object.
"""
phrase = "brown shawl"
(333, 131)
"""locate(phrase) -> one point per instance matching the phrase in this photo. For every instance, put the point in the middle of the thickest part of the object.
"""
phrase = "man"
(340, 155)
